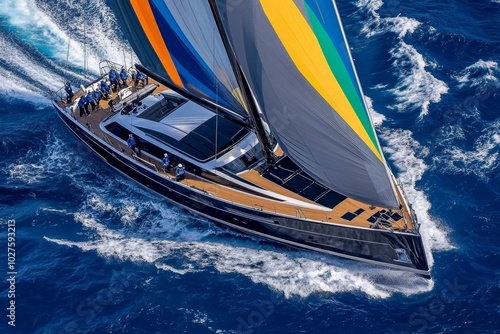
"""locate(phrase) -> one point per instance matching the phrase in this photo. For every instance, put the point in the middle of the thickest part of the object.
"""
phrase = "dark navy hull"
(369, 245)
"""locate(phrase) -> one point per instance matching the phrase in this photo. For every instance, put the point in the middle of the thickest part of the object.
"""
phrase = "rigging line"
(85, 64)
(131, 58)
(216, 102)
(251, 104)
(124, 60)
(67, 54)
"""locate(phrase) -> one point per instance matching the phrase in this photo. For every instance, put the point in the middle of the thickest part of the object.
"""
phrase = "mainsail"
(296, 66)
(295, 58)
(179, 41)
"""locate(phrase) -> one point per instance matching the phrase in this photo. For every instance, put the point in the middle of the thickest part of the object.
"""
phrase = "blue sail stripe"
(192, 69)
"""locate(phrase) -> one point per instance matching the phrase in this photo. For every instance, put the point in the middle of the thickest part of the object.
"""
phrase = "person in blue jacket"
(180, 172)
(132, 144)
(90, 100)
(105, 89)
(69, 91)
(113, 79)
(82, 104)
(96, 94)
(141, 77)
(166, 163)
(123, 77)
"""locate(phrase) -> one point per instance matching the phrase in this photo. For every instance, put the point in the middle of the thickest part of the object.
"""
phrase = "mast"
(246, 91)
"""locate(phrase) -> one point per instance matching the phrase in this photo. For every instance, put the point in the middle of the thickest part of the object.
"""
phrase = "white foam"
(29, 77)
(27, 173)
(376, 25)
(403, 150)
(377, 119)
(35, 23)
(47, 29)
(102, 33)
(480, 73)
(291, 273)
(53, 159)
(54, 210)
(482, 160)
(14, 88)
(99, 205)
(36, 27)
(417, 88)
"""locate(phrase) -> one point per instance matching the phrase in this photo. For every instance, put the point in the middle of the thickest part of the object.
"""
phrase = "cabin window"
(247, 160)
(145, 146)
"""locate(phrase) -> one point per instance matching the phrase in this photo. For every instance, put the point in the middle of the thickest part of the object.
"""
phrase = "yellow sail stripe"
(301, 43)
(148, 23)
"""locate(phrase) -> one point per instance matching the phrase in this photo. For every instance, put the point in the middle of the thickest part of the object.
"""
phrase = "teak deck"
(323, 214)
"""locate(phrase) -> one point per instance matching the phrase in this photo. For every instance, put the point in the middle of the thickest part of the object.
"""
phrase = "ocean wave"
(375, 25)
(294, 273)
(377, 119)
(478, 74)
(88, 27)
(49, 45)
(482, 160)
(27, 173)
(24, 80)
(406, 154)
(94, 30)
(37, 165)
(417, 88)
(14, 88)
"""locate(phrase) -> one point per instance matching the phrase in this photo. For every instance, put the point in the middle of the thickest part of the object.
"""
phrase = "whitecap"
(36, 166)
(480, 73)
(27, 173)
(404, 151)
(416, 88)
(377, 119)
(375, 25)
(482, 160)
(294, 273)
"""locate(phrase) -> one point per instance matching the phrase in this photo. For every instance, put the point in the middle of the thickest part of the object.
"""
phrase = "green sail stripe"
(340, 72)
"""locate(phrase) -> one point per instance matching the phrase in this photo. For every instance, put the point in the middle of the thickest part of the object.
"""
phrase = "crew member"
(123, 77)
(141, 77)
(96, 94)
(166, 163)
(179, 172)
(132, 144)
(113, 79)
(82, 104)
(69, 91)
(90, 100)
(105, 89)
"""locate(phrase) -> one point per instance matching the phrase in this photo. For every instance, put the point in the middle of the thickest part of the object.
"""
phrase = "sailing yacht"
(260, 102)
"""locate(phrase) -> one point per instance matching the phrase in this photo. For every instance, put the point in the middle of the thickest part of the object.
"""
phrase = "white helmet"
(165, 155)
(179, 165)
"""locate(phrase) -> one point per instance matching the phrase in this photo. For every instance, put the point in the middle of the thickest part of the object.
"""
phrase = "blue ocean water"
(96, 253)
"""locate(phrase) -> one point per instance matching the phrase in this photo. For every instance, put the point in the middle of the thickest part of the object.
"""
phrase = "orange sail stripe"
(148, 23)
